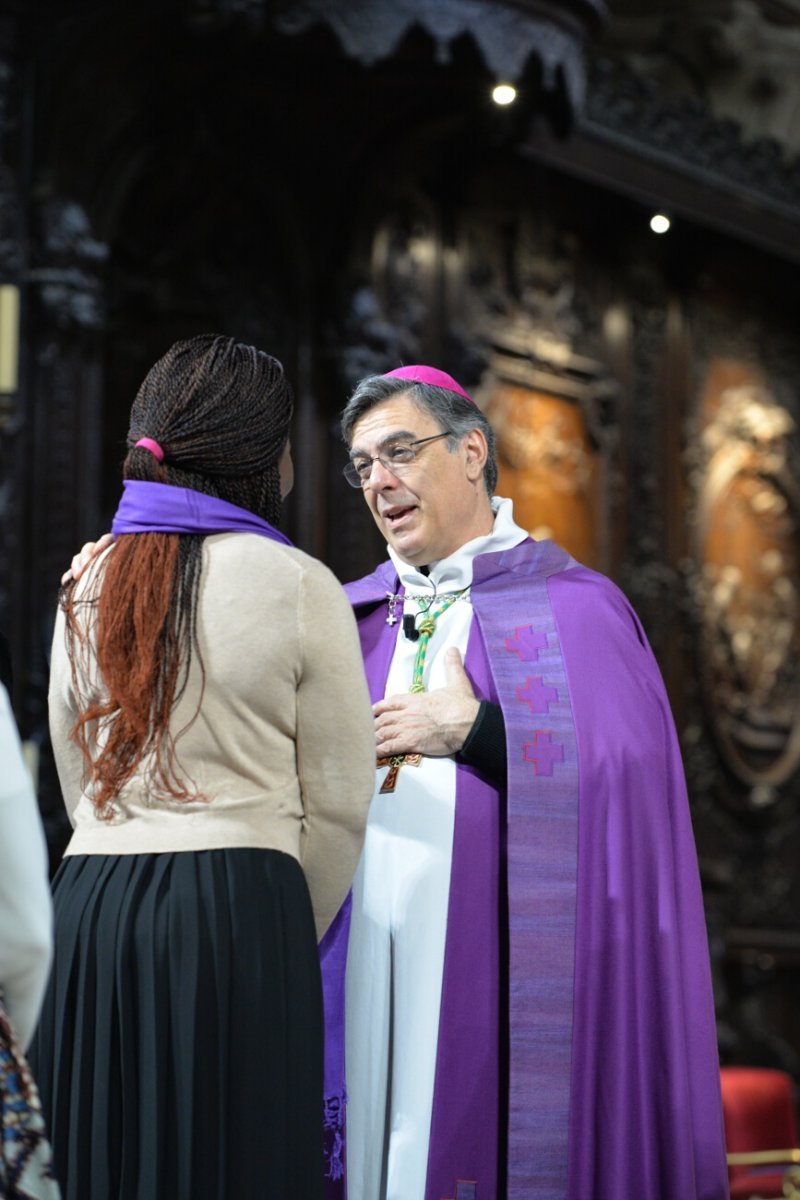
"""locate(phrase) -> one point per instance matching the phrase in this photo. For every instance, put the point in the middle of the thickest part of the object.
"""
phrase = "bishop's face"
(437, 502)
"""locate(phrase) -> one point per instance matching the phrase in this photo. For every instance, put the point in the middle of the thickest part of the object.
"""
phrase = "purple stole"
(576, 973)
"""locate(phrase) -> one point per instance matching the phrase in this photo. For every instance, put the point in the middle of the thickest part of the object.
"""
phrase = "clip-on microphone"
(410, 627)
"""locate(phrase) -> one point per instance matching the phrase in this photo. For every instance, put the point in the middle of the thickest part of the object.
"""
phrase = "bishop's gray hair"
(450, 411)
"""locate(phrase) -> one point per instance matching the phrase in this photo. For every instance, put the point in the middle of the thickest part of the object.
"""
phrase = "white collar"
(454, 573)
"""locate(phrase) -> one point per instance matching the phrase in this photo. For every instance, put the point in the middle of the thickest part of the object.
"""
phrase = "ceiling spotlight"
(659, 223)
(504, 94)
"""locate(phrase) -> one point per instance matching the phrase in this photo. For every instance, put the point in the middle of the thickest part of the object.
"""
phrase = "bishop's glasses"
(397, 457)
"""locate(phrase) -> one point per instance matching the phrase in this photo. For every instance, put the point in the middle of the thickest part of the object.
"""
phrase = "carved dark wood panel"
(682, 129)
(740, 735)
(506, 297)
(12, 242)
(63, 437)
(748, 586)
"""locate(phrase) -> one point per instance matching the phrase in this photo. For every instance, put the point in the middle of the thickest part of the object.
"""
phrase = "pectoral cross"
(394, 762)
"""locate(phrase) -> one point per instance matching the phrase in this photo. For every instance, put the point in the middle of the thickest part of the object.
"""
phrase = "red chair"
(758, 1109)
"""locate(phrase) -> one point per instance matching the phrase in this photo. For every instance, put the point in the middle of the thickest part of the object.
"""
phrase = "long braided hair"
(221, 412)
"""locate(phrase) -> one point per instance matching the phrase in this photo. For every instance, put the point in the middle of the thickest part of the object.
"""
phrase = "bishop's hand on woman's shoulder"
(87, 553)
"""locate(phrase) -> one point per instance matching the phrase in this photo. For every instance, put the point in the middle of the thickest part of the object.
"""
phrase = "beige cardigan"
(282, 744)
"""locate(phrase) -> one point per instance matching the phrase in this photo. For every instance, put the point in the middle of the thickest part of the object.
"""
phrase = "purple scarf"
(148, 507)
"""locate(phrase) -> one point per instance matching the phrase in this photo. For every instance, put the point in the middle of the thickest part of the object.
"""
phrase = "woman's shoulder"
(251, 556)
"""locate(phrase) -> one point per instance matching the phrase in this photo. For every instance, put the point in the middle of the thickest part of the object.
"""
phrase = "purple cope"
(576, 973)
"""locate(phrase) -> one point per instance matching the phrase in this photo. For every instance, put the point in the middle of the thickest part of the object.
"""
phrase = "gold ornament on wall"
(748, 582)
(549, 408)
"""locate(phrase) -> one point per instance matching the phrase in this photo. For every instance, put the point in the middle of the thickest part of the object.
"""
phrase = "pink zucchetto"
(431, 376)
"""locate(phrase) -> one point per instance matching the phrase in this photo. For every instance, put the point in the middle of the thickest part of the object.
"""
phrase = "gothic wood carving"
(519, 333)
(739, 56)
(748, 586)
(507, 34)
(623, 107)
(12, 240)
(65, 406)
(544, 402)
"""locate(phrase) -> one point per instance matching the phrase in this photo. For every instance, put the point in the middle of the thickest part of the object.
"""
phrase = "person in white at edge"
(25, 906)
(438, 515)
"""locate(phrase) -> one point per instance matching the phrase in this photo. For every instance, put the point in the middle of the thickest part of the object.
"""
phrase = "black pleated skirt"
(179, 1053)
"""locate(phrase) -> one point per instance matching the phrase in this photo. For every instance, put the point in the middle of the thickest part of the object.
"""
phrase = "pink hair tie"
(152, 446)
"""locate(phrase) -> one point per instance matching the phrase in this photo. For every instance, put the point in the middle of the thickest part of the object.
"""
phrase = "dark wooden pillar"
(63, 436)
(12, 267)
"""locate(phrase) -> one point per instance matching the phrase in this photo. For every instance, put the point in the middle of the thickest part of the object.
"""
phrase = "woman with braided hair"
(213, 738)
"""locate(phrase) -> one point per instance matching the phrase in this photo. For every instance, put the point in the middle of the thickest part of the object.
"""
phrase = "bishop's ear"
(476, 452)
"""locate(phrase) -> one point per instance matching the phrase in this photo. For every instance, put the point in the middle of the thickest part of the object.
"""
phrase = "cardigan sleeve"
(62, 702)
(335, 742)
(25, 907)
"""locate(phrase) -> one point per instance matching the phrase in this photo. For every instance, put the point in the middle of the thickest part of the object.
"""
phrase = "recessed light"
(504, 93)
